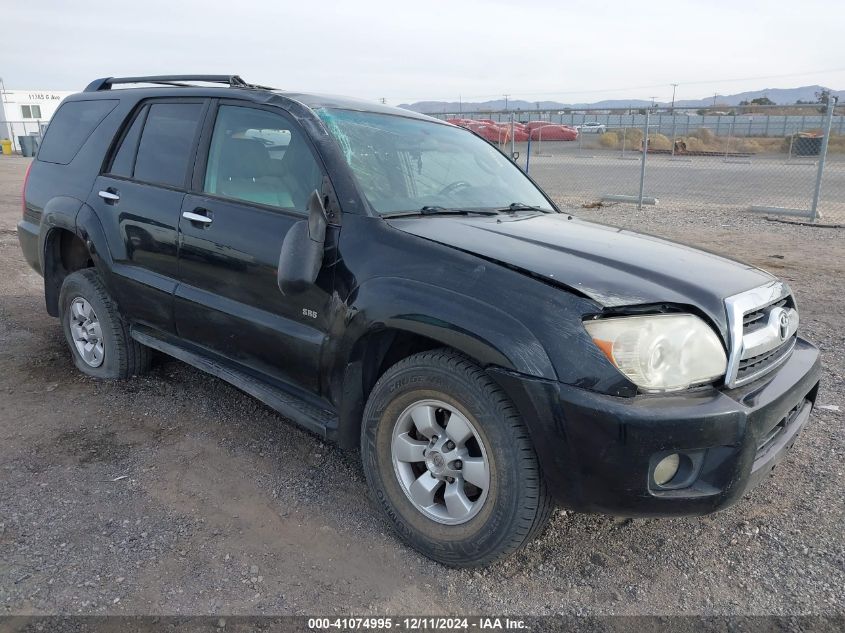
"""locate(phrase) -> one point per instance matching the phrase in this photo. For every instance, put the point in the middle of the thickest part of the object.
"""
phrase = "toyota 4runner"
(396, 284)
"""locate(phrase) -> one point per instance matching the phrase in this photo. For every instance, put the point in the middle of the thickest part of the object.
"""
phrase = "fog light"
(666, 469)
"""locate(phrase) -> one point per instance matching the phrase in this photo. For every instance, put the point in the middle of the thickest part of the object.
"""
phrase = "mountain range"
(781, 96)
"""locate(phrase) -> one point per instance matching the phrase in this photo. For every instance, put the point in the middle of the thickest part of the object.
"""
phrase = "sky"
(565, 50)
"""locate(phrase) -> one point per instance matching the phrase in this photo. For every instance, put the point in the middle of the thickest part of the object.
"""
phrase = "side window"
(261, 157)
(123, 162)
(71, 126)
(164, 151)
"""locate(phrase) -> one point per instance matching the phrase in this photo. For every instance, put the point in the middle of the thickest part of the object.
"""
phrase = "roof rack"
(233, 81)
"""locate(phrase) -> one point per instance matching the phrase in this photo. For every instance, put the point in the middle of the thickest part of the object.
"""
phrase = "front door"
(257, 175)
(138, 199)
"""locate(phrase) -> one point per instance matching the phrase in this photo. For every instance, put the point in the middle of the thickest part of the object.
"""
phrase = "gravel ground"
(177, 494)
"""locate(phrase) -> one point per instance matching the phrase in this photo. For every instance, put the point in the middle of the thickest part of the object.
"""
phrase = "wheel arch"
(64, 253)
(392, 319)
(71, 239)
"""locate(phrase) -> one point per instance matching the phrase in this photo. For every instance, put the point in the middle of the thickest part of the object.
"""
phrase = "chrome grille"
(763, 323)
(755, 319)
(754, 364)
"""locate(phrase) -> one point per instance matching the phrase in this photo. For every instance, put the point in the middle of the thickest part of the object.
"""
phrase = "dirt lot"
(175, 493)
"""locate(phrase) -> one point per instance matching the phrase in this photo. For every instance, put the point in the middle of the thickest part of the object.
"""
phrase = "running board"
(311, 417)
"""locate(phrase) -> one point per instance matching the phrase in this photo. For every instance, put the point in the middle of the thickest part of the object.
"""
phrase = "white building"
(27, 112)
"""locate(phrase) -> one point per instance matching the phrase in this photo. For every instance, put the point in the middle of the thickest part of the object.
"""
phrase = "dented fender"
(481, 330)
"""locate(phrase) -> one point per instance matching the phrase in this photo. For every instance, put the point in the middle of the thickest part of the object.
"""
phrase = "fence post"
(528, 154)
(831, 106)
(513, 140)
(673, 133)
(728, 142)
(642, 164)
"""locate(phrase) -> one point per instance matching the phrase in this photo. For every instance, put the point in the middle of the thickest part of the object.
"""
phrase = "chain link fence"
(777, 160)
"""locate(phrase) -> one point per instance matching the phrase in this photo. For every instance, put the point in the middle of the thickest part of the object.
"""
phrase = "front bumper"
(598, 452)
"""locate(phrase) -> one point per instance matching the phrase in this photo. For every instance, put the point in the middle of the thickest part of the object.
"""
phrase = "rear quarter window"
(71, 126)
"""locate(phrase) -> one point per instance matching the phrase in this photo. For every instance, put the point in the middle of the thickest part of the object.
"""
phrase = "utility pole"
(383, 100)
(674, 87)
(652, 101)
(506, 101)
(715, 94)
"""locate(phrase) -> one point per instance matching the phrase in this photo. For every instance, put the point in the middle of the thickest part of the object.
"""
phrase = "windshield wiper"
(519, 206)
(435, 210)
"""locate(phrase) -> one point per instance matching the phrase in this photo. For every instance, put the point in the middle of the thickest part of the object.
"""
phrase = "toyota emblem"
(784, 325)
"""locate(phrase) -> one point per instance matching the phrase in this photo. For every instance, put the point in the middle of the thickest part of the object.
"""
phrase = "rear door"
(138, 198)
(253, 182)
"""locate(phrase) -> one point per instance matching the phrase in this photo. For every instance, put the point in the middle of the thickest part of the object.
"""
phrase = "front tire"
(97, 334)
(450, 462)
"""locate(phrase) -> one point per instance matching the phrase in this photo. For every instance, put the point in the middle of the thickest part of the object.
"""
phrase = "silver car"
(594, 127)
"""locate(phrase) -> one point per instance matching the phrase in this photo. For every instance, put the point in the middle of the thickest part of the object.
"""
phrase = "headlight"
(661, 352)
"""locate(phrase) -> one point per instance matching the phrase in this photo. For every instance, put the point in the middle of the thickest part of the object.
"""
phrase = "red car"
(552, 132)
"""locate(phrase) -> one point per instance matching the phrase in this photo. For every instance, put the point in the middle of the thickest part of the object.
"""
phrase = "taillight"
(23, 191)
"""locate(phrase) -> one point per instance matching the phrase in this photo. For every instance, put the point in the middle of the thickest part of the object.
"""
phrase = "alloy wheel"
(86, 332)
(440, 461)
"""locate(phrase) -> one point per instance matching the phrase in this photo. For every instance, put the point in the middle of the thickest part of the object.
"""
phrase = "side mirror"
(302, 250)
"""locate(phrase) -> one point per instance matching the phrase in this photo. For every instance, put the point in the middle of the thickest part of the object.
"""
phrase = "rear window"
(70, 128)
(165, 149)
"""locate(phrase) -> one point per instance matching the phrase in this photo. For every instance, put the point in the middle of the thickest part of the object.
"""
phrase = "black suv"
(395, 283)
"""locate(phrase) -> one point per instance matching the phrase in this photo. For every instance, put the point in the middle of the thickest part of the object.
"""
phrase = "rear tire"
(485, 517)
(97, 334)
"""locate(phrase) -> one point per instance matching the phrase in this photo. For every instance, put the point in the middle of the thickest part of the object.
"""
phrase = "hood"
(612, 266)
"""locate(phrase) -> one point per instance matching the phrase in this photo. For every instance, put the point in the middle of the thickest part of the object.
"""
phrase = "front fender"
(482, 331)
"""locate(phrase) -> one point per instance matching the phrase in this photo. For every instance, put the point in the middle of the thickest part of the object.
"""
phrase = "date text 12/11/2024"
(417, 623)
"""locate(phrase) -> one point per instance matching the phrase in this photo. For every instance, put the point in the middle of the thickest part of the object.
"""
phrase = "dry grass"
(659, 141)
(703, 140)
(609, 140)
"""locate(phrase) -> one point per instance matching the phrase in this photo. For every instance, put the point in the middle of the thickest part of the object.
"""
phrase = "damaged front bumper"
(599, 452)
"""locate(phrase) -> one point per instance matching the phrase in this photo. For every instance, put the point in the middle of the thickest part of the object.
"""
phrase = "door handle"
(196, 217)
(109, 196)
